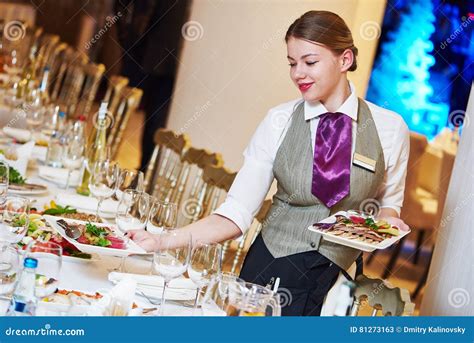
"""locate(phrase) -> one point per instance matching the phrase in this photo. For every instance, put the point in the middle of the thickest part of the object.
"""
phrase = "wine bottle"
(96, 150)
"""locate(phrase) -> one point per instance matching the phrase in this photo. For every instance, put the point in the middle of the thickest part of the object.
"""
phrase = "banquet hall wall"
(236, 69)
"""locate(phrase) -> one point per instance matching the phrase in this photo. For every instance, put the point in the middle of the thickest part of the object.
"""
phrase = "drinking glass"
(221, 295)
(14, 219)
(132, 213)
(103, 181)
(73, 156)
(34, 112)
(206, 261)
(129, 179)
(49, 256)
(163, 216)
(172, 258)
(9, 269)
(4, 177)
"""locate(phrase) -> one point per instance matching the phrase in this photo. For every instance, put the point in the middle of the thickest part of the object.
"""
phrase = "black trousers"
(305, 278)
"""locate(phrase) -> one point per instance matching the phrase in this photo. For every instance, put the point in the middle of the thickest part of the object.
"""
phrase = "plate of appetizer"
(19, 186)
(38, 228)
(358, 230)
(95, 238)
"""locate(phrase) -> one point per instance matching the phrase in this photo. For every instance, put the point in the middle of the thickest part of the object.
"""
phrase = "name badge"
(364, 162)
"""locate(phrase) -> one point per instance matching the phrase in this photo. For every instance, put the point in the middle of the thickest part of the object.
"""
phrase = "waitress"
(328, 151)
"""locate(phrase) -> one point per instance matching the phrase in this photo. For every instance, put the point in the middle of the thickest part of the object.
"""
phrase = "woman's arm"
(213, 228)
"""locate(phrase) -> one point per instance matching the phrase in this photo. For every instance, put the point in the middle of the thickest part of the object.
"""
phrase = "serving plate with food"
(358, 230)
(94, 238)
(38, 228)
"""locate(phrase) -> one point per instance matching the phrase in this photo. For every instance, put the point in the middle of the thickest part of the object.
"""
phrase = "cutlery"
(70, 230)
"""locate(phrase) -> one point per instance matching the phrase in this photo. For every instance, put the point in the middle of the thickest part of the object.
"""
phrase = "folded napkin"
(23, 153)
(88, 204)
(20, 135)
(58, 175)
(152, 286)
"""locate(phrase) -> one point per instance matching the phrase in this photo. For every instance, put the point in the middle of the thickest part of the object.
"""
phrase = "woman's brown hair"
(325, 28)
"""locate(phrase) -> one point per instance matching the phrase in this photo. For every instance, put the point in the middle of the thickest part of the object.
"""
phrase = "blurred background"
(211, 69)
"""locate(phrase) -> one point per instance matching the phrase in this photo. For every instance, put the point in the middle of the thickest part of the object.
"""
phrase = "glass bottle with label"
(96, 150)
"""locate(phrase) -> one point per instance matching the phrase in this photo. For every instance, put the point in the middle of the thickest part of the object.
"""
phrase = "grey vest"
(295, 208)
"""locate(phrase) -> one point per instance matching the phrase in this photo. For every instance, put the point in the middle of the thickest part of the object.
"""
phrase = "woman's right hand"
(146, 240)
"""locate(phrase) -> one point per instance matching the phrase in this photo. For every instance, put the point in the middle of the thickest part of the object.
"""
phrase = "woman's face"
(314, 69)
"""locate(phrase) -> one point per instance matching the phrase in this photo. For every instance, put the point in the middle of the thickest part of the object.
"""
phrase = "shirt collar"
(349, 107)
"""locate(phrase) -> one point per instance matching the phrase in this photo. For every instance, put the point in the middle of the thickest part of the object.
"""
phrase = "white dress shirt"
(254, 179)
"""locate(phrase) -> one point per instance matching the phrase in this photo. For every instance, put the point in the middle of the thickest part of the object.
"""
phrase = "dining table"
(83, 275)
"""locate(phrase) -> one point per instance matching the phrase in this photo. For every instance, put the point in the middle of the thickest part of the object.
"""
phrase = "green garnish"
(80, 254)
(103, 242)
(95, 231)
(60, 210)
(15, 177)
(371, 223)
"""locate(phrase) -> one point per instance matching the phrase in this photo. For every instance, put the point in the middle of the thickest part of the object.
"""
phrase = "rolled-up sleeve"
(392, 191)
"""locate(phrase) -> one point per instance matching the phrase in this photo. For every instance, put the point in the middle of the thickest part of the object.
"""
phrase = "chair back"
(115, 86)
(165, 164)
(382, 297)
(129, 101)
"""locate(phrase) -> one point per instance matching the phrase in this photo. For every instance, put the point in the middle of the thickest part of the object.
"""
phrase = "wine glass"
(4, 177)
(163, 216)
(9, 269)
(129, 179)
(73, 156)
(132, 213)
(206, 261)
(172, 258)
(34, 112)
(103, 181)
(14, 219)
(49, 256)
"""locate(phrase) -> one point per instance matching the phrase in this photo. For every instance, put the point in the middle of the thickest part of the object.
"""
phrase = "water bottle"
(56, 142)
(23, 302)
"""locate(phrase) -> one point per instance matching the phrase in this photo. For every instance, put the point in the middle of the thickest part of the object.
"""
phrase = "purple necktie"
(332, 158)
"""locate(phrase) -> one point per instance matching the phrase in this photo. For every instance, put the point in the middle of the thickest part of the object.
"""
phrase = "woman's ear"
(346, 58)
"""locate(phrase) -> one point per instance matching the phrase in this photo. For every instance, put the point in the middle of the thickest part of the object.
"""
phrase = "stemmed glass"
(163, 216)
(14, 219)
(129, 179)
(4, 177)
(34, 112)
(9, 269)
(222, 295)
(49, 256)
(73, 156)
(132, 213)
(103, 181)
(172, 258)
(206, 261)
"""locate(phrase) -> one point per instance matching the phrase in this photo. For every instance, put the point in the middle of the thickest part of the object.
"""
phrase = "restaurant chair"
(47, 44)
(92, 75)
(381, 297)
(115, 85)
(129, 101)
(165, 163)
(194, 161)
(68, 77)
